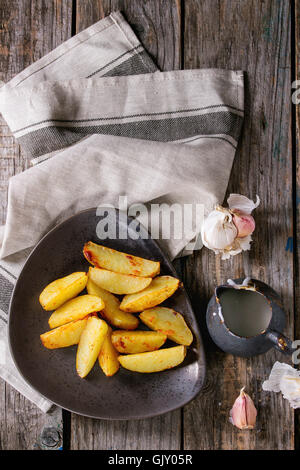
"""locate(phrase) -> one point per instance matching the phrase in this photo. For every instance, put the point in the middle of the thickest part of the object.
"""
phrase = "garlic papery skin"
(285, 379)
(290, 389)
(244, 223)
(237, 202)
(218, 230)
(239, 245)
(243, 413)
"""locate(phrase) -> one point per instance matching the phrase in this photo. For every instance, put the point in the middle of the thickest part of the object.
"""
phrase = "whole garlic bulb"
(228, 231)
(218, 229)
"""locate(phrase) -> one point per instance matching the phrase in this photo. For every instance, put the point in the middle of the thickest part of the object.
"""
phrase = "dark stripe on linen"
(136, 65)
(133, 50)
(3, 319)
(6, 289)
(113, 118)
(4, 269)
(210, 137)
(52, 138)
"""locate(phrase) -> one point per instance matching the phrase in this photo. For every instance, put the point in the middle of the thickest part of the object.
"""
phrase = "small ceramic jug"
(245, 318)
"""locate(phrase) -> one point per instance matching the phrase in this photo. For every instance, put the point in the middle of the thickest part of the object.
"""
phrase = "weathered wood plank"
(297, 200)
(253, 36)
(28, 30)
(157, 24)
(157, 433)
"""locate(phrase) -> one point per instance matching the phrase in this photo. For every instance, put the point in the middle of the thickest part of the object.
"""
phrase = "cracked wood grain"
(28, 30)
(255, 37)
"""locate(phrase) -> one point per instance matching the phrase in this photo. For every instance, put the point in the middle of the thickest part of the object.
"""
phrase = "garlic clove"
(218, 230)
(242, 203)
(243, 413)
(244, 223)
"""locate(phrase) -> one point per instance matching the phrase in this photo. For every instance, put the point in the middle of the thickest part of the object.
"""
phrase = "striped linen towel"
(97, 110)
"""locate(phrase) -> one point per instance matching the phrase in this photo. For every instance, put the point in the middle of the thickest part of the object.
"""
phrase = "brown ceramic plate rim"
(195, 329)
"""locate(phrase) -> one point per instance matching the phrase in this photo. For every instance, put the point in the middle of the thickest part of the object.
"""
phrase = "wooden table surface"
(260, 37)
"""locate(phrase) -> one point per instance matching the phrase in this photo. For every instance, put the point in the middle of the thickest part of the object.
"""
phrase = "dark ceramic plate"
(126, 395)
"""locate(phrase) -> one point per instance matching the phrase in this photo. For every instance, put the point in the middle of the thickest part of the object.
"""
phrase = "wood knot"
(50, 437)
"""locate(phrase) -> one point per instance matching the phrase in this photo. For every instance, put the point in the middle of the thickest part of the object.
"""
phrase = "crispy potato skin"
(132, 342)
(111, 311)
(64, 336)
(117, 283)
(90, 343)
(108, 357)
(155, 361)
(75, 320)
(75, 309)
(61, 290)
(159, 290)
(112, 260)
(169, 322)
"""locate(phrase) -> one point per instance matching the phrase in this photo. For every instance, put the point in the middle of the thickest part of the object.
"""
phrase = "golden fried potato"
(64, 336)
(108, 357)
(111, 311)
(75, 309)
(90, 343)
(159, 290)
(107, 258)
(118, 283)
(167, 321)
(63, 289)
(131, 342)
(154, 361)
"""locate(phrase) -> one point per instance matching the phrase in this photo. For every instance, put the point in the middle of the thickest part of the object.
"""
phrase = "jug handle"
(280, 342)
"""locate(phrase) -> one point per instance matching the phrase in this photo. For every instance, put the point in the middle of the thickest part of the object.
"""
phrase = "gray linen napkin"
(97, 110)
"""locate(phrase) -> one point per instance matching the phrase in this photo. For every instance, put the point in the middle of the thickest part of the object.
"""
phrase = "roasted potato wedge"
(64, 336)
(90, 343)
(132, 342)
(60, 291)
(118, 283)
(111, 311)
(108, 357)
(167, 321)
(159, 290)
(75, 309)
(107, 258)
(154, 361)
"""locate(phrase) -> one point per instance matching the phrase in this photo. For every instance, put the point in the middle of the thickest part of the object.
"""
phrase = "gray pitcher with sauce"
(246, 318)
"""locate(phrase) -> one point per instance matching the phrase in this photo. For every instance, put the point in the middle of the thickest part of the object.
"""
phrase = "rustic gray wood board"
(250, 35)
(29, 29)
(255, 37)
